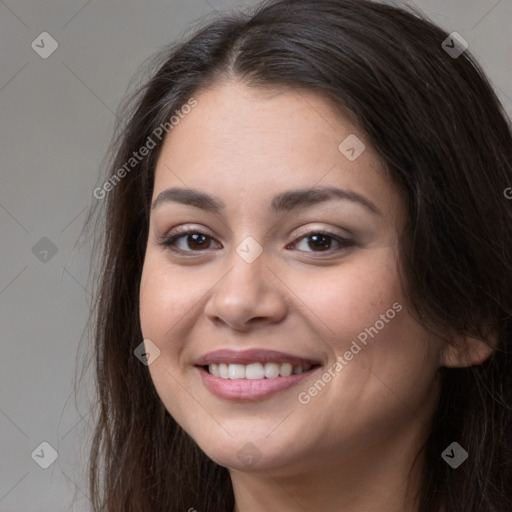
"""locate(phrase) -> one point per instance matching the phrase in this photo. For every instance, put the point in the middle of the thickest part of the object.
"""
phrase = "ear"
(462, 351)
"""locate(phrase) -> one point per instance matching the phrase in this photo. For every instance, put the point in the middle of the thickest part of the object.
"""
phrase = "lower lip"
(250, 389)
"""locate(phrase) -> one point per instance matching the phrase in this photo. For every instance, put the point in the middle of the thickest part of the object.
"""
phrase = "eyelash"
(170, 240)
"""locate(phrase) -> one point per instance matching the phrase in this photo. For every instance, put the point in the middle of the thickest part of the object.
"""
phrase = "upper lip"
(252, 356)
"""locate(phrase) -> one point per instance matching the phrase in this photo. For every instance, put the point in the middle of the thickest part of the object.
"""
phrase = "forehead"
(235, 116)
(252, 142)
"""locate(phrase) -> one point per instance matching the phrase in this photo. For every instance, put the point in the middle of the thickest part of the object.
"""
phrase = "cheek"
(347, 299)
(165, 305)
(165, 297)
(155, 301)
(361, 314)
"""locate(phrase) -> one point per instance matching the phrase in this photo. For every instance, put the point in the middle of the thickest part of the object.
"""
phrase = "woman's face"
(290, 264)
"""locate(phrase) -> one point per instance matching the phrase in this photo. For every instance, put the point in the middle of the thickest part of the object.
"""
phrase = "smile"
(252, 374)
(255, 371)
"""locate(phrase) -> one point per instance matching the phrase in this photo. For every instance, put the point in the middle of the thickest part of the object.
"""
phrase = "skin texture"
(352, 446)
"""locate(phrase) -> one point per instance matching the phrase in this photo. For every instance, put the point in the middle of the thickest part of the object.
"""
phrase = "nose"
(248, 295)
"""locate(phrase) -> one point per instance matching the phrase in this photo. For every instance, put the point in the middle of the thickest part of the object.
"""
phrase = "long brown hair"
(439, 128)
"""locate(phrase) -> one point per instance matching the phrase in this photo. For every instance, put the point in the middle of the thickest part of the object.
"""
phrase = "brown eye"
(319, 241)
(198, 241)
(188, 241)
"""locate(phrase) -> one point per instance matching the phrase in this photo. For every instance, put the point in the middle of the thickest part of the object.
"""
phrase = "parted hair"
(442, 133)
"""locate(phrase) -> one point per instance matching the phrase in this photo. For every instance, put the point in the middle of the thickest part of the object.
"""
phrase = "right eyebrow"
(189, 196)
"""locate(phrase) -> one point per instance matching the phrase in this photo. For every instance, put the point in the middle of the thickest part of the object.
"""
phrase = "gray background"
(57, 116)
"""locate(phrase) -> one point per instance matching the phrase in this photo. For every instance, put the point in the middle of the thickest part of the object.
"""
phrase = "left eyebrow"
(291, 199)
(282, 202)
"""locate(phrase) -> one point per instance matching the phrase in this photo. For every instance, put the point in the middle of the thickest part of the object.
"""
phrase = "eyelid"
(188, 228)
(167, 240)
(308, 230)
(343, 242)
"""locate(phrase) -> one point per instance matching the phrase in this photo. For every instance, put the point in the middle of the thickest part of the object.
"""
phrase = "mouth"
(256, 370)
(254, 374)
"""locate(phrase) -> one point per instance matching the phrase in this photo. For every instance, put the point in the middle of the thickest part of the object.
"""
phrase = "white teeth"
(271, 370)
(256, 371)
(214, 370)
(236, 371)
(285, 370)
(223, 371)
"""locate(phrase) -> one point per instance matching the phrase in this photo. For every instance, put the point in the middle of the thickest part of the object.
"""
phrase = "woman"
(306, 292)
